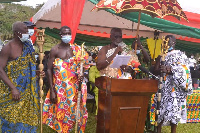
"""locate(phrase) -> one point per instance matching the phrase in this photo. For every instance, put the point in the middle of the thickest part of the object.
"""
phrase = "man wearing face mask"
(59, 111)
(143, 57)
(30, 27)
(176, 86)
(192, 62)
(19, 100)
(107, 54)
(31, 30)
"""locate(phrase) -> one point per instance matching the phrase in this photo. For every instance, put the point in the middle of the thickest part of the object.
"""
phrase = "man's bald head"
(113, 30)
(116, 35)
(19, 27)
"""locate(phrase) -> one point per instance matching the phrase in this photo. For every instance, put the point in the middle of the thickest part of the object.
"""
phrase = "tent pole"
(137, 29)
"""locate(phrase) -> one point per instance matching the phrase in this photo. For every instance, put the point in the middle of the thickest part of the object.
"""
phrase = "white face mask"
(137, 51)
(99, 47)
(25, 37)
(66, 38)
(30, 32)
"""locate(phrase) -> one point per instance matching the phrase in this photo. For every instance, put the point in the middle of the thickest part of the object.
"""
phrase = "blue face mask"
(170, 49)
(66, 38)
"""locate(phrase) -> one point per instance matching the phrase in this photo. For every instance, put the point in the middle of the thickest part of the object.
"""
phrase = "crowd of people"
(19, 92)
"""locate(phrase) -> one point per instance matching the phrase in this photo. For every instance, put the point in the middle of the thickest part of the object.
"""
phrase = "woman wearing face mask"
(59, 111)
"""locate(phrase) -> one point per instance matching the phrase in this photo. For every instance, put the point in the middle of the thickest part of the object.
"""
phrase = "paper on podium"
(120, 60)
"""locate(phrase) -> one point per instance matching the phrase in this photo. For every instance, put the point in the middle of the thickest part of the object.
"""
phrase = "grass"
(184, 128)
(91, 125)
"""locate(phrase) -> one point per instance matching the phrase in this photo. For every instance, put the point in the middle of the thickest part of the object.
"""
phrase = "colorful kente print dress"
(23, 115)
(175, 89)
(61, 116)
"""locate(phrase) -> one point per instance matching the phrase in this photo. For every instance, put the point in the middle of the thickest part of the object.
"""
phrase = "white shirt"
(192, 62)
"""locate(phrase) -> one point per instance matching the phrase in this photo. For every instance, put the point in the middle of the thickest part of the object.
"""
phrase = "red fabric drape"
(33, 37)
(71, 12)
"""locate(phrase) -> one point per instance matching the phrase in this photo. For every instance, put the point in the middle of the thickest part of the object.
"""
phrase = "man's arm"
(144, 52)
(157, 66)
(50, 75)
(4, 56)
(146, 55)
(103, 61)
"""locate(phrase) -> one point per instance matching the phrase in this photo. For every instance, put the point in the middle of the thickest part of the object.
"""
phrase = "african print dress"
(62, 115)
(20, 116)
(175, 89)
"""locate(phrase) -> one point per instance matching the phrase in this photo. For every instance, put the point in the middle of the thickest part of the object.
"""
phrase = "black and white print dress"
(175, 89)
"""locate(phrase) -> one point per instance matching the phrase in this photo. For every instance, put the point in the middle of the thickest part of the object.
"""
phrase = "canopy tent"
(161, 24)
(98, 24)
(9, 1)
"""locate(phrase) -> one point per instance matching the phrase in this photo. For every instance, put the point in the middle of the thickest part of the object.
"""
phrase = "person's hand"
(80, 79)
(53, 96)
(165, 69)
(40, 73)
(15, 94)
(126, 68)
(119, 49)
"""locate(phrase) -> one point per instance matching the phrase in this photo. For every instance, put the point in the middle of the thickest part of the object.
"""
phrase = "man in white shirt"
(192, 62)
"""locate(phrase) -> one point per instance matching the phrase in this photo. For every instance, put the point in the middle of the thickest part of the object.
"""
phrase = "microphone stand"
(154, 76)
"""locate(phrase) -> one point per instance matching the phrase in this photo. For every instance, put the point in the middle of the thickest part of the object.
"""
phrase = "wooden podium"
(122, 104)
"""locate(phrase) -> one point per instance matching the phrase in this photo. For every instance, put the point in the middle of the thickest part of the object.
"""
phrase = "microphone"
(138, 65)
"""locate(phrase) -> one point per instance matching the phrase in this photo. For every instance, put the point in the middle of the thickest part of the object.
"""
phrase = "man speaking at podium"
(107, 54)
